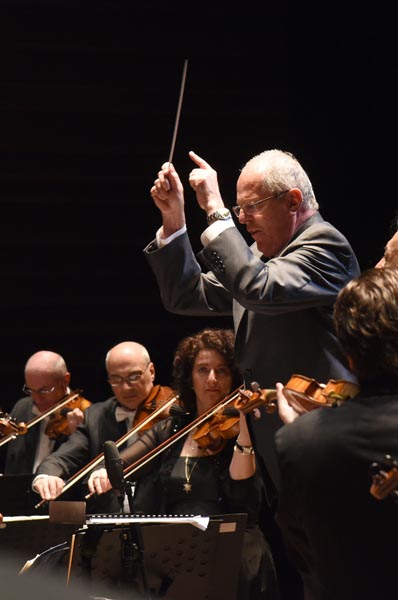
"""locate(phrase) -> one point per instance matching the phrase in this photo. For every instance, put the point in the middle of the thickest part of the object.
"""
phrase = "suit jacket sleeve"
(85, 444)
(309, 272)
(184, 289)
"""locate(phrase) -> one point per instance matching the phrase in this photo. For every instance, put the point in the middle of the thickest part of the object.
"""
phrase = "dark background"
(88, 99)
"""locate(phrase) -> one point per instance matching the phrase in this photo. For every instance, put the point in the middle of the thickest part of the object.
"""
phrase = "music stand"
(180, 560)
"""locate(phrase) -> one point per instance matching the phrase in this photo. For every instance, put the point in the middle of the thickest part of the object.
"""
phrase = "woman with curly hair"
(189, 479)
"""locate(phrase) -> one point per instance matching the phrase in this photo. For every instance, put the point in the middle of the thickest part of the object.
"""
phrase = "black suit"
(343, 540)
(19, 454)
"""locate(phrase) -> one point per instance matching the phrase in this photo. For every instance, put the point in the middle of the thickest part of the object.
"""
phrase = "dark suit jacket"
(87, 442)
(343, 540)
(282, 310)
(19, 454)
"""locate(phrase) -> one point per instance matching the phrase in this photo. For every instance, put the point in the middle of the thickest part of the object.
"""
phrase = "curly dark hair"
(366, 323)
(221, 340)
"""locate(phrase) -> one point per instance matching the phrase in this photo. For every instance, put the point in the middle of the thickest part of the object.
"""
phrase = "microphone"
(114, 466)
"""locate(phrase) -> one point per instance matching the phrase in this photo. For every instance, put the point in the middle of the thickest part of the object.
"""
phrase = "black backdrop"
(88, 98)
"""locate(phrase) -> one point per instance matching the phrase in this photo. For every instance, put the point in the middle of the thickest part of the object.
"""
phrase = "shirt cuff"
(36, 478)
(213, 230)
(164, 241)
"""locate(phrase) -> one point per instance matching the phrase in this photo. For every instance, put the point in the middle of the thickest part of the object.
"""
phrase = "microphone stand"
(132, 545)
(128, 492)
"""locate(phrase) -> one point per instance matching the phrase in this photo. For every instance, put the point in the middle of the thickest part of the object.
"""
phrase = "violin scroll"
(249, 400)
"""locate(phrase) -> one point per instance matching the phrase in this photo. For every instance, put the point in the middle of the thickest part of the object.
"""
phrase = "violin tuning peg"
(374, 468)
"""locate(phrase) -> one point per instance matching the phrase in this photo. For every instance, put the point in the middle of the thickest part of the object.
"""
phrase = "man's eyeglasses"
(250, 208)
(45, 390)
(116, 380)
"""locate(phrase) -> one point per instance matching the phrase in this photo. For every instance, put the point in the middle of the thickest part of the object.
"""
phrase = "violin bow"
(67, 398)
(98, 459)
(177, 119)
(140, 462)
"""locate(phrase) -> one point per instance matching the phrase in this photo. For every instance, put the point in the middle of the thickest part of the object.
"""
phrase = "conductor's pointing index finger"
(198, 160)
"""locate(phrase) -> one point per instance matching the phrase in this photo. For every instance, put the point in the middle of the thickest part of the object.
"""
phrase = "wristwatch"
(243, 449)
(219, 215)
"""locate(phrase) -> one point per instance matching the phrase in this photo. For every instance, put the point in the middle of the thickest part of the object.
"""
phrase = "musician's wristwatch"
(219, 215)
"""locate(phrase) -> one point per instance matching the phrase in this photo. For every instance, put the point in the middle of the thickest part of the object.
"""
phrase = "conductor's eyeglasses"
(250, 208)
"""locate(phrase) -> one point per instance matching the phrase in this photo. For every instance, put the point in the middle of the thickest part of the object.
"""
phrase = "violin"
(304, 394)
(58, 422)
(249, 400)
(384, 479)
(159, 396)
(9, 425)
(68, 399)
(217, 424)
(213, 434)
(143, 425)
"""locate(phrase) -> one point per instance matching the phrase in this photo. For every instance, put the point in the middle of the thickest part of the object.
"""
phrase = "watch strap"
(218, 215)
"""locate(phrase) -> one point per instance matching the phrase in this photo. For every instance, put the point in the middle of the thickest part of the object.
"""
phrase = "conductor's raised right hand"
(168, 194)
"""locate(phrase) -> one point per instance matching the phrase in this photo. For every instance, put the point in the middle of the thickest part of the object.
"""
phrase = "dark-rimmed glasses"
(250, 208)
(116, 380)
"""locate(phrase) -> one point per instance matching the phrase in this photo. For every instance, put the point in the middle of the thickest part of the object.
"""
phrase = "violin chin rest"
(178, 411)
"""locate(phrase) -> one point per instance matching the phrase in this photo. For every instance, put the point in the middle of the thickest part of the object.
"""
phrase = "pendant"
(187, 487)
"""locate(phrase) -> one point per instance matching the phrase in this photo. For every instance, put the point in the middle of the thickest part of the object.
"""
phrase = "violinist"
(47, 383)
(342, 539)
(131, 376)
(191, 477)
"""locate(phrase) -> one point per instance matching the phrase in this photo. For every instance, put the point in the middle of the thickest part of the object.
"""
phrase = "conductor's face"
(269, 216)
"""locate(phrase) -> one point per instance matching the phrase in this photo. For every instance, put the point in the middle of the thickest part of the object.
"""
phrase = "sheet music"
(117, 519)
(120, 519)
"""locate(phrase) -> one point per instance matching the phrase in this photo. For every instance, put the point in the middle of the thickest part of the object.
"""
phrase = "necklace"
(188, 474)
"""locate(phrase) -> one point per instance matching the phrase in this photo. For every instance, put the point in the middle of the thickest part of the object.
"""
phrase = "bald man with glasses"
(47, 384)
(131, 375)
